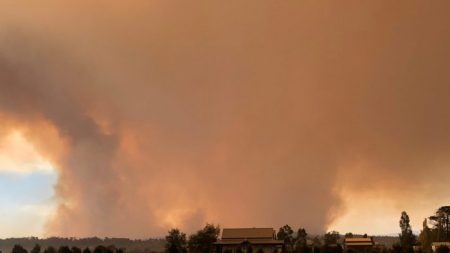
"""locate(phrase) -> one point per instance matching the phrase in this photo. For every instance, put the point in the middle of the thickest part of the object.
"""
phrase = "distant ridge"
(132, 246)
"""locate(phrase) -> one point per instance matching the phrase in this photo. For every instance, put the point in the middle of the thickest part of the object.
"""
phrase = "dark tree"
(301, 236)
(36, 249)
(426, 237)
(203, 241)
(87, 250)
(286, 234)
(442, 249)
(19, 249)
(76, 250)
(64, 249)
(50, 249)
(396, 248)
(317, 242)
(441, 222)
(110, 249)
(407, 238)
(100, 249)
(176, 242)
(349, 235)
(331, 237)
(301, 241)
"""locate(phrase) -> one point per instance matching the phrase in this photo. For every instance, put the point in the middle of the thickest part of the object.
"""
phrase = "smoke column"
(161, 114)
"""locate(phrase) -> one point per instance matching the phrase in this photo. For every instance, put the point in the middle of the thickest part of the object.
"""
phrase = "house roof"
(359, 241)
(359, 244)
(251, 241)
(248, 233)
(437, 244)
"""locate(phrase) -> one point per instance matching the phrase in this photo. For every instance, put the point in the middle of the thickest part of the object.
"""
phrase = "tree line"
(436, 228)
(200, 242)
(331, 242)
(65, 249)
(203, 241)
(132, 245)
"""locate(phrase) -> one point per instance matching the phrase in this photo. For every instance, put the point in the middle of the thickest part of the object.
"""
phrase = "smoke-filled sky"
(129, 118)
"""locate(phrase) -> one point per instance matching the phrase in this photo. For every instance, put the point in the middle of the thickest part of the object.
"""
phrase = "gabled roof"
(359, 241)
(251, 241)
(248, 233)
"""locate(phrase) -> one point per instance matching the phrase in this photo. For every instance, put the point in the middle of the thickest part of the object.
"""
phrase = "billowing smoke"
(163, 114)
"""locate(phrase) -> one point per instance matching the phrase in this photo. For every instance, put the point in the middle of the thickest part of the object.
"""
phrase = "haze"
(131, 118)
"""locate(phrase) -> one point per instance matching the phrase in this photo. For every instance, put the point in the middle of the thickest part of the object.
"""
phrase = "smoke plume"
(258, 113)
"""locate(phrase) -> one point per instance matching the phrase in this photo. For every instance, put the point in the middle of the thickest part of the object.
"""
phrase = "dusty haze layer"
(161, 114)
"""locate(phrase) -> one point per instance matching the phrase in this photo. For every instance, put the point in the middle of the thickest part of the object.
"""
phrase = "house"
(359, 243)
(248, 240)
(436, 245)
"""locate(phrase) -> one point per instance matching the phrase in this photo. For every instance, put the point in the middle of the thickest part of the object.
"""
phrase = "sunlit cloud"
(19, 156)
(26, 187)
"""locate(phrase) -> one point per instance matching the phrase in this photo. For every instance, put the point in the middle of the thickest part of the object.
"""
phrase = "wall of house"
(255, 249)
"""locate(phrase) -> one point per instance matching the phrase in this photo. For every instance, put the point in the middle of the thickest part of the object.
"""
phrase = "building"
(436, 245)
(248, 240)
(359, 243)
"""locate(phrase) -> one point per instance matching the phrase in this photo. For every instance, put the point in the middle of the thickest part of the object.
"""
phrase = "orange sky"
(159, 114)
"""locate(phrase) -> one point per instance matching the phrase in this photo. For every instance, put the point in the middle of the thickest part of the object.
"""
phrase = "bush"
(442, 249)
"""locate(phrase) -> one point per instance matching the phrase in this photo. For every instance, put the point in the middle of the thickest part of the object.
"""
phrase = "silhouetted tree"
(203, 241)
(176, 242)
(425, 237)
(301, 241)
(396, 248)
(442, 249)
(87, 250)
(441, 222)
(285, 233)
(111, 249)
(36, 249)
(64, 249)
(407, 238)
(316, 243)
(19, 249)
(50, 249)
(331, 237)
(100, 249)
(76, 250)
(349, 235)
